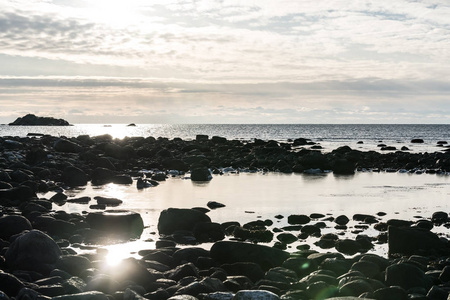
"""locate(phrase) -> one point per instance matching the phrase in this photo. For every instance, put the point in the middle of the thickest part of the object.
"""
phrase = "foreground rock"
(119, 223)
(33, 251)
(173, 219)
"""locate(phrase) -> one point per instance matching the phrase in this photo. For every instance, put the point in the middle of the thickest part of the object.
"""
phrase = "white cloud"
(306, 55)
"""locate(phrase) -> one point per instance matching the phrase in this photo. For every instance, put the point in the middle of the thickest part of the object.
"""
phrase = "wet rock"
(73, 176)
(368, 268)
(231, 252)
(12, 224)
(73, 264)
(102, 176)
(355, 288)
(408, 241)
(122, 179)
(33, 251)
(108, 201)
(18, 194)
(214, 204)
(407, 276)
(341, 220)
(256, 235)
(10, 284)
(66, 146)
(120, 223)
(95, 295)
(439, 217)
(200, 174)
(391, 293)
(298, 219)
(182, 271)
(348, 246)
(208, 232)
(417, 141)
(343, 167)
(287, 238)
(255, 294)
(173, 219)
(102, 283)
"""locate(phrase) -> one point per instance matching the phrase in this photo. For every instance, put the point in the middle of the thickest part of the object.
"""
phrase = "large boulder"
(231, 252)
(73, 176)
(201, 174)
(407, 276)
(120, 223)
(33, 251)
(409, 241)
(18, 194)
(66, 146)
(174, 219)
(343, 167)
(11, 225)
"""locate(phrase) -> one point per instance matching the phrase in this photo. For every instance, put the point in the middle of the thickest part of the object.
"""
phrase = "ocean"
(262, 196)
(365, 137)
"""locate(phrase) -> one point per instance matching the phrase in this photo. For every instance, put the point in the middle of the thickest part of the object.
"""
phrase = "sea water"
(363, 137)
(254, 196)
(262, 196)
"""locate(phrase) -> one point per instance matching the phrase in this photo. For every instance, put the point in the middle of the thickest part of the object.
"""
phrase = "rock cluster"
(37, 259)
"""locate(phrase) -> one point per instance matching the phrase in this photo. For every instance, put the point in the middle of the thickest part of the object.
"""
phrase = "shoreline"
(53, 269)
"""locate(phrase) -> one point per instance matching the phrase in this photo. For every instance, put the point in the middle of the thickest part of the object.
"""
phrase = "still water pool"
(253, 196)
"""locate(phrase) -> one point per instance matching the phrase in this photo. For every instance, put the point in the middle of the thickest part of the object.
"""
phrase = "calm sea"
(250, 197)
(329, 136)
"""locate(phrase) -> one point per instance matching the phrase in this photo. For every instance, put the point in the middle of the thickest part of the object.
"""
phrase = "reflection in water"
(399, 195)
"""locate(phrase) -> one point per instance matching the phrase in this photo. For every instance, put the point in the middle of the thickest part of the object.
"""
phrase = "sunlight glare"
(116, 13)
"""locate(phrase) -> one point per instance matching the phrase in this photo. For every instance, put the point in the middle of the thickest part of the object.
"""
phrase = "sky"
(226, 61)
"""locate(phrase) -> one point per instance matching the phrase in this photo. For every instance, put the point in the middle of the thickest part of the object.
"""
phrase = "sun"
(115, 13)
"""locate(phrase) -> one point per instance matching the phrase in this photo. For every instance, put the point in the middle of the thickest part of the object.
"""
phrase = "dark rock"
(341, 220)
(298, 219)
(182, 271)
(108, 201)
(122, 179)
(256, 235)
(10, 284)
(348, 246)
(102, 283)
(214, 204)
(73, 176)
(231, 252)
(18, 194)
(391, 293)
(287, 238)
(438, 293)
(66, 146)
(190, 254)
(11, 225)
(417, 141)
(33, 120)
(95, 295)
(200, 174)
(132, 270)
(248, 269)
(343, 166)
(120, 223)
(255, 294)
(439, 217)
(102, 176)
(408, 241)
(407, 276)
(208, 232)
(173, 219)
(355, 288)
(201, 137)
(73, 264)
(368, 268)
(33, 251)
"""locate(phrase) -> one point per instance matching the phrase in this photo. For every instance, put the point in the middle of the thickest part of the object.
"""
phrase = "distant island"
(33, 120)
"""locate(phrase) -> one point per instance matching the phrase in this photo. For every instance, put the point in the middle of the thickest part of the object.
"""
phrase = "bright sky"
(226, 61)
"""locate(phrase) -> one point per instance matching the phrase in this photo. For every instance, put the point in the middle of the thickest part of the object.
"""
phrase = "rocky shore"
(38, 260)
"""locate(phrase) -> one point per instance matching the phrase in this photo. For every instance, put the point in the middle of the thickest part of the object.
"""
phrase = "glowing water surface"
(250, 197)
